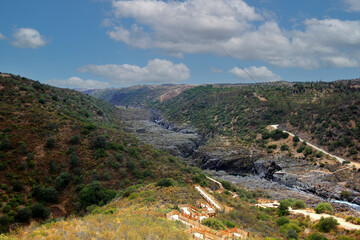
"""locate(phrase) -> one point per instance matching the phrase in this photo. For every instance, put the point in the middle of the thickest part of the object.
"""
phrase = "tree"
(4, 224)
(23, 215)
(39, 211)
(283, 208)
(327, 224)
(95, 194)
(324, 208)
(100, 142)
(214, 223)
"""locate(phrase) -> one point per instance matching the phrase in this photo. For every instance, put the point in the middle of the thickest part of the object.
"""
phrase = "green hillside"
(62, 151)
(325, 113)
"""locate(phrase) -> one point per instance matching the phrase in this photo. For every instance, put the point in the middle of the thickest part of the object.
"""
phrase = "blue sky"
(104, 43)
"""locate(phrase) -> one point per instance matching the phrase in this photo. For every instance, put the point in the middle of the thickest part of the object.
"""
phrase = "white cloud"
(353, 5)
(257, 74)
(216, 70)
(156, 71)
(2, 36)
(28, 38)
(232, 26)
(76, 82)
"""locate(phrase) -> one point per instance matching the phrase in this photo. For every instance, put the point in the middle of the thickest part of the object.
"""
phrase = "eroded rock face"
(177, 141)
(221, 153)
(265, 169)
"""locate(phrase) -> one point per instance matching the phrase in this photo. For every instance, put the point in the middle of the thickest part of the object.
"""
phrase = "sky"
(120, 43)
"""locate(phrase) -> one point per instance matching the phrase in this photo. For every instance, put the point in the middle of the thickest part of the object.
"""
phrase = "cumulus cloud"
(2, 36)
(28, 38)
(76, 82)
(258, 74)
(232, 26)
(156, 71)
(353, 5)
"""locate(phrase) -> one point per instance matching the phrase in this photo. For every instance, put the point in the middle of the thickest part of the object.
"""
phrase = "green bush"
(75, 139)
(95, 194)
(301, 148)
(324, 208)
(284, 147)
(50, 143)
(18, 186)
(6, 208)
(4, 224)
(327, 224)
(316, 236)
(74, 160)
(49, 195)
(308, 151)
(283, 208)
(39, 211)
(282, 221)
(292, 234)
(165, 182)
(99, 142)
(62, 181)
(213, 223)
(273, 146)
(296, 139)
(299, 204)
(23, 215)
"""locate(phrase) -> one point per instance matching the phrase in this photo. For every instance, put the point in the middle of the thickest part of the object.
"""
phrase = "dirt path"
(339, 159)
(315, 217)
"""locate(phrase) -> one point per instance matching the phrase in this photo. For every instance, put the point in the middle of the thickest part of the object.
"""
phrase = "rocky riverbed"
(142, 123)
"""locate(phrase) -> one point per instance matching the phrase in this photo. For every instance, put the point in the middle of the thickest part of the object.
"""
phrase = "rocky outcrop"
(265, 169)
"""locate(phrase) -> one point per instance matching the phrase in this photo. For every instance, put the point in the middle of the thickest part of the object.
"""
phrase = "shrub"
(284, 147)
(324, 208)
(99, 142)
(165, 182)
(282, 221)
(299, 204)
(4, 224)
(296, 139)
(230, 224)
(316, 236)
(213, 223)
(5, 144)
(283, 208)
(23, 215)
(327, 224)
(301, 148)
(95, 194)
(273, 146)
(308, 151)
(39, 211)
(74, 160)
(6, 208)
(4, 186)
(49, 195)
(75, 139)
(346, 195)
(18, 186)
(50, 143)
(292, 234)
(62, 181)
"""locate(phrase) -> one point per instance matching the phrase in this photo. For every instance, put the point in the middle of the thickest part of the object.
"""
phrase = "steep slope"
(325, 113)
(65, 150)
(138, 96)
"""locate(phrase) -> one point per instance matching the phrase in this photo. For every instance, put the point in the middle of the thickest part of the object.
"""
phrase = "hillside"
(324, 113)
(62, 151)
(138, 96)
